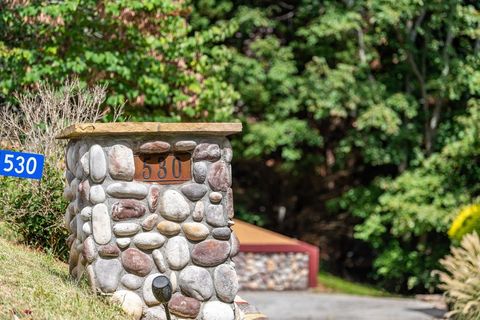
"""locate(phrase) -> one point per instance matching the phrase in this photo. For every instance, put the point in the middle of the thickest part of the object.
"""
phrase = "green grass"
(34, 285)
(333, 283)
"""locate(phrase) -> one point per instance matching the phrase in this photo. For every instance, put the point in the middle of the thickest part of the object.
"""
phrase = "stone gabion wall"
(124, 233)
(272, 271)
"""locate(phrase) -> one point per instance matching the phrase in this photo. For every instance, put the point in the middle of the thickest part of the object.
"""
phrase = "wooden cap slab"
(149, 128)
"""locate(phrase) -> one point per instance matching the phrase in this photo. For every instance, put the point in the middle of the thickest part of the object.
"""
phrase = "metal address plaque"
(163, 168)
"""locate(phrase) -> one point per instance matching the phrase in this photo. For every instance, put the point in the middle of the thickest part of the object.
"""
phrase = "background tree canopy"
(361, 117)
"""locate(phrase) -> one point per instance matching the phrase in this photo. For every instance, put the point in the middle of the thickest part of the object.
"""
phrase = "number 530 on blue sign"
(21, 165)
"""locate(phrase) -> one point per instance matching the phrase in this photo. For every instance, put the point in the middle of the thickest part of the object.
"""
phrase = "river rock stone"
(206, 151)
(109, 250)
(200, 172)
(102, 232)
(226, 282)
(215, 197)
(125, 229)
(157, 313)
(168, 228)
(155, 147)
(137, 262)
(127, 209)
(196, 283)
(185, 145)
(216, 310)
(235, 245)
(148, 240)
(98, 164)
(194, 191)
(148, 296)
(87, 228)
(228, 153)
(97, 194)
(131, 303)
(153, 196)
(68, 193)
(84, 190)
(86, 213)
(177, 252)
(229, 204)
(123, 242)
(219, 177)
(173, 206)
(107, 273)
(85, 163)
(210, 253)
(222, 233)
(198, 211)
(159, 260)
(150, 222)
(215, 216)
(70, 157)
(195, 231)
(131, 281)
(120, 163)
(127, 190)
(89, 250)
(183, 306)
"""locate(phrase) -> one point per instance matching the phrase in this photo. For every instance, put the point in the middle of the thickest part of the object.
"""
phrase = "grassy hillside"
(34, 285)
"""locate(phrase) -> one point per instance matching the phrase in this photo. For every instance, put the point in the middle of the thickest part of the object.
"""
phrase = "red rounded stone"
(155, 147)
(128, 209)
(109, 250)
(184, 306)
(210, 253)
(219, 177)
(137, 262)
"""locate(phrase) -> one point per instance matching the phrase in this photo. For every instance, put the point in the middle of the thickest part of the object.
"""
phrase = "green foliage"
(354, 105)
(408, 224)
(144, 50)
(34, 210)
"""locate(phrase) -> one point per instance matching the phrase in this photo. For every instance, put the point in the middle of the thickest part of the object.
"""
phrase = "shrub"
(467, 221)
(461, 281)
(35, 208)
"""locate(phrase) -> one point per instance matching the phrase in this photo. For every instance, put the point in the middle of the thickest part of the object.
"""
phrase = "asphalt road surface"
(295, 305)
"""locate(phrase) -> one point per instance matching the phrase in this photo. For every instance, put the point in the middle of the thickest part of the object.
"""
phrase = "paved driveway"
(293, 305)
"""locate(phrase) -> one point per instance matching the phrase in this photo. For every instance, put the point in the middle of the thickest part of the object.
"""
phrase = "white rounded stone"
(125, 229)
(87, 228)
(102, 232)
(177, 253)
(97, 194)
(147, 290)
(85, 163)
(173, 206)
(159, 260)
(132, 281)
(216, 310)
(120, 163)
(98, 164)
(123, 242)
(148, 240)
(127, 190)
(131, 303)
(86, 213)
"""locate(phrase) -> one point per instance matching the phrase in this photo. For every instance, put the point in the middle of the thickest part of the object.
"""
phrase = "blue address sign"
(21, 165)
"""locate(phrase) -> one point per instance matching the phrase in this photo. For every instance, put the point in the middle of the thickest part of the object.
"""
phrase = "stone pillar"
(149, 199)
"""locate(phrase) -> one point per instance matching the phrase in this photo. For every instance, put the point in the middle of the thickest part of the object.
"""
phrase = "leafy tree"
(350, 109)
(143, 50)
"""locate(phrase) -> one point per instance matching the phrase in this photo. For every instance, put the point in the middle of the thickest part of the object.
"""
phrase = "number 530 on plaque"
(21, 165)
(163, 169)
